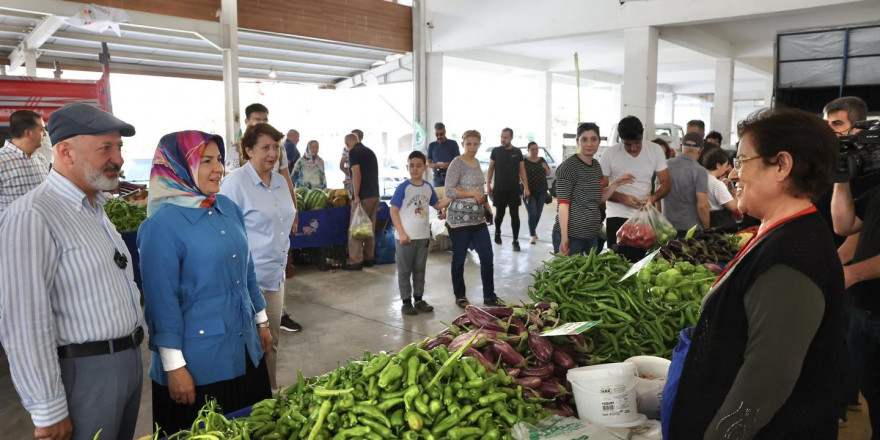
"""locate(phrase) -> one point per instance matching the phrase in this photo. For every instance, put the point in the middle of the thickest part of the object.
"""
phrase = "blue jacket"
(200, 290)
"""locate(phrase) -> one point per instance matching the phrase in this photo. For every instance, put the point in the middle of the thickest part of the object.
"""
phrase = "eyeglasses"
(738, 161)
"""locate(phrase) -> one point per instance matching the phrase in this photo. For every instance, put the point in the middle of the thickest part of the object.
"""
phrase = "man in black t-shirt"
(506, 165)
(365, 184)
(862, 277)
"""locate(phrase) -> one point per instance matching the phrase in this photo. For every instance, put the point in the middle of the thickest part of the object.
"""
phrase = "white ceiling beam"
(502, 59)
(394, 68)
(244, 42)
(761, 66)
(698, 41)
(214, 62)
(187, 49)
(207, 30)
(42, 32)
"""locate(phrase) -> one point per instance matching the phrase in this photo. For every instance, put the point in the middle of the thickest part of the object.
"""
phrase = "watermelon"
(316, 199)
(301, 191)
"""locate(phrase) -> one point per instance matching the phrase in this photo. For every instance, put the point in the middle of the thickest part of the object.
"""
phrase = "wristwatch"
(264, 324)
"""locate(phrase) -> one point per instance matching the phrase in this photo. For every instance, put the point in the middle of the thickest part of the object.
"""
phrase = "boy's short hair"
(417, 155)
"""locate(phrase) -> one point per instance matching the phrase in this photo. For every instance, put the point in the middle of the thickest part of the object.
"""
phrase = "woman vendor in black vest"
(764, 360)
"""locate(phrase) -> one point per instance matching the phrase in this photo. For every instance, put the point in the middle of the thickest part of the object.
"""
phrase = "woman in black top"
(537, 171)
(764, 359)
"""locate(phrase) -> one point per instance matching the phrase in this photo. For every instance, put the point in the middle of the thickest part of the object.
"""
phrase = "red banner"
(47, 95)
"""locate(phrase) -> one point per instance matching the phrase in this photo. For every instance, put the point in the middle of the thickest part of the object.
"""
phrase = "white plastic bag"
(438, 227)
(561, 428)
(361, 227)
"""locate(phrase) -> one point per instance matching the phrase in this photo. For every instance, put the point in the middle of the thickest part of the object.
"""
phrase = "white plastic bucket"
(606, 394)
(650, 391)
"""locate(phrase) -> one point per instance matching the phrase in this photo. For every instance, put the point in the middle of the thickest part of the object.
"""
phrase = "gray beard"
(101, 182)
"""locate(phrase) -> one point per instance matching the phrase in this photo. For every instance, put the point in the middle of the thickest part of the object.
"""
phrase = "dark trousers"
(503, 200)
(575, 245)
(612, 225)
(864, 334)
(535, 207)
(232, 395)
(478, 238)
(103, 393)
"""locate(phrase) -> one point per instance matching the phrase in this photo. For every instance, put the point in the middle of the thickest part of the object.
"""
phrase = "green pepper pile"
(414, 394)
(125, 216)
(641, 315)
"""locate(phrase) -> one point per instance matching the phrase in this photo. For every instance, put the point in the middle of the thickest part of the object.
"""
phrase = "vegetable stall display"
(417, 393)
(640, 315)
(126, 217)
(510, 338)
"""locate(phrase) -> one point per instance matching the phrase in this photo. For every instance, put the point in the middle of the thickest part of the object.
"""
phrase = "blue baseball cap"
(77, 118)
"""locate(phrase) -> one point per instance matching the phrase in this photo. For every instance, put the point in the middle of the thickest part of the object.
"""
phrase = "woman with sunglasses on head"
(765, 356)
(206, 315)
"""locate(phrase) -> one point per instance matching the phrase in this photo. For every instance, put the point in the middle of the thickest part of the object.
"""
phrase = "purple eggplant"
(567, 411)
(562, 359)
(483, 337)
(580, 343)
(542, 371)
(512, 372)
(498, 312)
(535, 319)
(481, 318)
(528, 382)
(509, 354)
(551, 390)
(582, 359)
(438, 341)
(543, 305)
(541, 347)
(517, 327)
(470, 352)
(462, 320)
(527, 393)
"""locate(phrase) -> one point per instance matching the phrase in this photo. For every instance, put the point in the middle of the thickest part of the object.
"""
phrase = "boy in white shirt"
(409, 213)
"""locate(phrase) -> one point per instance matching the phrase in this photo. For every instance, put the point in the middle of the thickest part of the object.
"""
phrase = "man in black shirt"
(365, 184)
(862, 277)
(506, 165)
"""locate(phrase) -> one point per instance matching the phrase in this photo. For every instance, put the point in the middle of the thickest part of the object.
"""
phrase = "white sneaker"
(534, 239)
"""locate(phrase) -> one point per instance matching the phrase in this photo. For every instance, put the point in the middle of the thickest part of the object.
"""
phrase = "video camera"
(860, 152)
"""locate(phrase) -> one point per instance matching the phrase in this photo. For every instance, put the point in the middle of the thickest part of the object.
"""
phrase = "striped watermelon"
(316, 199)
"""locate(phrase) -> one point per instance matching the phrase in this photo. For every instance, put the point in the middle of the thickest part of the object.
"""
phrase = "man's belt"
(102, 347)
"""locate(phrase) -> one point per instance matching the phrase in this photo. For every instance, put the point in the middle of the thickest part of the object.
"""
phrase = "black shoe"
(493, 302)
(289, 324)
(497, 238)
(423, 306)
(408, 309)
(352, 267)
(516, 246)
(369, 263)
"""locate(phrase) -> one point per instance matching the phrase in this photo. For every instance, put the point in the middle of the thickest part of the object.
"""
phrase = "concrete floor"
(344, 313)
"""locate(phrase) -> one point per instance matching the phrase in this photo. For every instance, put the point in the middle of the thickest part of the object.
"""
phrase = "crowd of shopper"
(768, 358)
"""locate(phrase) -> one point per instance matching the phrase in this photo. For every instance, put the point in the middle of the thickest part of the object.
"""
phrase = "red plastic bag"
(646, 228)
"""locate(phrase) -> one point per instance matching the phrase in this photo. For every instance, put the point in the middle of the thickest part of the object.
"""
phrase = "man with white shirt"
(72, 322)
(644, 160)
(22, 168)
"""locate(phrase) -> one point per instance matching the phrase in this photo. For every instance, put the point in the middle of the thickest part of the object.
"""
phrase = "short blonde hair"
(471, 133)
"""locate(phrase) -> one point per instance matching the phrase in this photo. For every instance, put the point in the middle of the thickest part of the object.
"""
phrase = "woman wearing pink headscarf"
(205, 313)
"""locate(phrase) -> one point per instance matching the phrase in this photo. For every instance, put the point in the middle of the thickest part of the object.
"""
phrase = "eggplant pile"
(703, 248)
(510, 338)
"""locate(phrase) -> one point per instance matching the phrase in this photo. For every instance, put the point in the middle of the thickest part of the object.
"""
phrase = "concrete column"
(420, 78)
(639, 91)
(229, 49)
(434, 95)
(768, 92)
(30, 63)
(548, 110)
(722, 110)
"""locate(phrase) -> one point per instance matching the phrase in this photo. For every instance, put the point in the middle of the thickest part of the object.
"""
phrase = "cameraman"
(862, 277)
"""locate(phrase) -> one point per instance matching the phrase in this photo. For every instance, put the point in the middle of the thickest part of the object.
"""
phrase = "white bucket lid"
(600, 371)
(651, 365)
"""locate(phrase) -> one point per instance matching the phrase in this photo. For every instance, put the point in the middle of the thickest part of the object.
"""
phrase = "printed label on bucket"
(615, 400)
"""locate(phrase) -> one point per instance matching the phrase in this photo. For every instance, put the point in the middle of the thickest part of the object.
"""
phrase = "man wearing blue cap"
(72, 321)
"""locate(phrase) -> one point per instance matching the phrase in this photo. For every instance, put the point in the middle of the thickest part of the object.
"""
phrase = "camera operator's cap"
(693, 140)
(77, 118)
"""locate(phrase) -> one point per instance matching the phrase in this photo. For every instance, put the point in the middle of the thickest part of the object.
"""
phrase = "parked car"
(484, 155)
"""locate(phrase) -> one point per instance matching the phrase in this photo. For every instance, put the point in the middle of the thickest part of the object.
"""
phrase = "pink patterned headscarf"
(173, 178)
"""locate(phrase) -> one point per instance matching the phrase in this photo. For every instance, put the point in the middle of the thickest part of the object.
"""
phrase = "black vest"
(720, 337)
